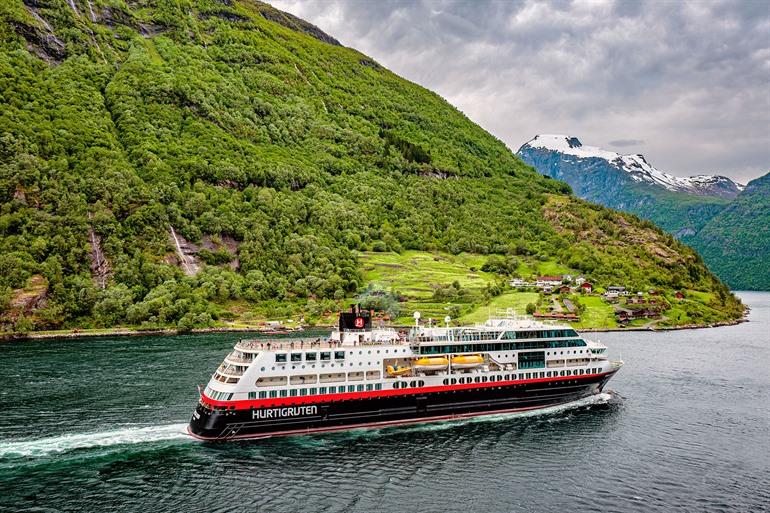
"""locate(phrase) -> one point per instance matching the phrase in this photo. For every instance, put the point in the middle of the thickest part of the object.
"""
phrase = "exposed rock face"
(100, 268)
(41, 39)
(185, 252)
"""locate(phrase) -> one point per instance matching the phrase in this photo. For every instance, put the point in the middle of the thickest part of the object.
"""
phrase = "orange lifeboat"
(467, 361)
(431, 363)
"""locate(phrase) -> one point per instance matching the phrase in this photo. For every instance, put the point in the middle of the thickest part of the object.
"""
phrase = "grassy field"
(416, 274)
(598, 314)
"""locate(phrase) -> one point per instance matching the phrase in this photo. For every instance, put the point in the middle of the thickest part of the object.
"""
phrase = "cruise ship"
(362, 376)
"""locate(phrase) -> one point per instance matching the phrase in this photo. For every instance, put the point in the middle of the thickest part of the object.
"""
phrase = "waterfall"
(188, 264)
(75, 9)
(91, 10)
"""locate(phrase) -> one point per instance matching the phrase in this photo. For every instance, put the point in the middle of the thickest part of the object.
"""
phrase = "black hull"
(341, 414)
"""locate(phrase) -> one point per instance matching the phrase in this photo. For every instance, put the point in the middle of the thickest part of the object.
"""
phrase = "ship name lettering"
(289, 411)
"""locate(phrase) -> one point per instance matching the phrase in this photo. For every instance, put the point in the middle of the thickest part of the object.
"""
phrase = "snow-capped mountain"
(636, 166)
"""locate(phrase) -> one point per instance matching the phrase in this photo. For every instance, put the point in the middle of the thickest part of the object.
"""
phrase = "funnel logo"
(359, 322)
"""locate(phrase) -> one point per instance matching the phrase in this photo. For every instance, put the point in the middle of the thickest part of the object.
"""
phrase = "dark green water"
(97, 425)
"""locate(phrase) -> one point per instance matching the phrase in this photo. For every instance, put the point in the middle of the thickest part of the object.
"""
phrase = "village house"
(579, 280)
(565, 289)
(628, 314)
(620, 291)
(586, 287)
(548, 281)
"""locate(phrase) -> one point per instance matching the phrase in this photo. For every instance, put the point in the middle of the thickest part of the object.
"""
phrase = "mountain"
(681, 206)
(634, 167)
(190, 163)
(735, 243)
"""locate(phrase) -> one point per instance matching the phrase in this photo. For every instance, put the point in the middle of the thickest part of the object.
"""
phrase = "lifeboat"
(431, 363)
(397, 371)
(467, 361)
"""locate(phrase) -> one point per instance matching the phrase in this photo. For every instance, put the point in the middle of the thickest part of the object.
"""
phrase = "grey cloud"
(622, 143)
(689, 78)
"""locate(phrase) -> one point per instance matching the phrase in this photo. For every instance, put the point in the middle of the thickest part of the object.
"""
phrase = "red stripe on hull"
(325, 398)
(372, 425)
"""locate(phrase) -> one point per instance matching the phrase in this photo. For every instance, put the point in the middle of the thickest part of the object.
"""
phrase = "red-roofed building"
(586, 287)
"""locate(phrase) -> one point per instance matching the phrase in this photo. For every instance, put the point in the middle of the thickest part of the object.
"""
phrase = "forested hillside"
(736, 242)
(172, 163)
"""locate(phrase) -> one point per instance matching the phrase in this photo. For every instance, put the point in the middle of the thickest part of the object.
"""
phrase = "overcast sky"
(685, 83)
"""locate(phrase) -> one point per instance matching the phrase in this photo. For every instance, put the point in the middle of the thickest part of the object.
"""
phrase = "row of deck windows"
(326, 356)
(409, 384)
(523, 375)
(501, 346)
(301, 392)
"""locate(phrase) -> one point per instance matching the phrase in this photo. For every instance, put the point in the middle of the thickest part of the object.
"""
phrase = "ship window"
(421, 383)
(280, 357)
(262, 395)
(273, 394)
(351, 388)
(322, 390)
(326, 356)
(378, 386)
(284, 393)
(303, 391)
(412, 384)
(293, 392)
(310, 357)
(454, 381)
(369, 387)
(477, 379)
(359, 388)
(296, 357)
(252, 395)
(446, 381)
(339, 355)
(313, 391)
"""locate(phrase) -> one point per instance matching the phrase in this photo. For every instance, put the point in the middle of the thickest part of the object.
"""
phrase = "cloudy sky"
(685, 83)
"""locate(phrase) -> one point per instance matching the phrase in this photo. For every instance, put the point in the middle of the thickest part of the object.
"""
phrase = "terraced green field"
(417, 274)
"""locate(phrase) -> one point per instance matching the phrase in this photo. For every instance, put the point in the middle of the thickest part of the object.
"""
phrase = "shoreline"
(128, 332)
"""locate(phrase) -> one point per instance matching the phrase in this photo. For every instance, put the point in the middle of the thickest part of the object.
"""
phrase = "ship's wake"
(556, 412)
(42, 447)
(70, 442)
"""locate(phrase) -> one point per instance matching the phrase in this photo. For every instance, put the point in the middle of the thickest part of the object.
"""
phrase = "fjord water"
(98, 424)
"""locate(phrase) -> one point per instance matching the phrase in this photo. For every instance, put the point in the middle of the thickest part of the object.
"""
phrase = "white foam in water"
(137, 435)
(602, 398)
(64, 443)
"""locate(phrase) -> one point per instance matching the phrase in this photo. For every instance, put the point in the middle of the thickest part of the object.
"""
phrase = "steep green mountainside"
(736, 242)
(176, 163)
